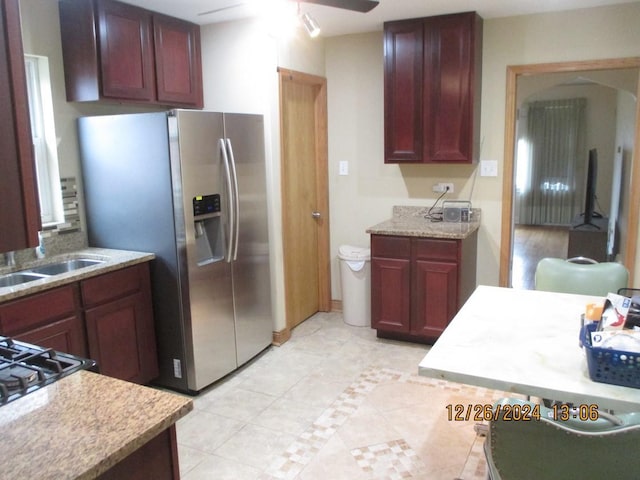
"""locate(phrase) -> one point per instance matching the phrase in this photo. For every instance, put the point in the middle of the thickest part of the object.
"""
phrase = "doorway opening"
(631, 178)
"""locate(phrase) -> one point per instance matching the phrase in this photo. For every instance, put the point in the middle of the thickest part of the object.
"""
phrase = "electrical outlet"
(443, 187)
(343, 167)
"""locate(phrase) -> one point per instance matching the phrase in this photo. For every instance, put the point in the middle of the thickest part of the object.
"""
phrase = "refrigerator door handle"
(230, 204)
(236, 200)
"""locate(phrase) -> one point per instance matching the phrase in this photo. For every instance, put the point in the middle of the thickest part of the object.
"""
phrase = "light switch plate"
(343, 167)
(488, 168)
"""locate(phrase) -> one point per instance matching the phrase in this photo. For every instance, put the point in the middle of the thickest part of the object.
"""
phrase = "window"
(44, 139)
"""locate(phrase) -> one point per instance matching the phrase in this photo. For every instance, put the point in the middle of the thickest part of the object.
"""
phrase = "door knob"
(315, 214)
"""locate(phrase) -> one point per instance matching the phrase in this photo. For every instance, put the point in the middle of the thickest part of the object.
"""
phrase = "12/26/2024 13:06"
(479, 412)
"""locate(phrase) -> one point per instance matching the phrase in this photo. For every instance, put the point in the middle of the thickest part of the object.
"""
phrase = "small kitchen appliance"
(456, 211)
(25, 368)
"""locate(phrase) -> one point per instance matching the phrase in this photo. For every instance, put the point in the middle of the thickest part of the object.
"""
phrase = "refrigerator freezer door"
(129, 205)
(212, 330)
(251, 272)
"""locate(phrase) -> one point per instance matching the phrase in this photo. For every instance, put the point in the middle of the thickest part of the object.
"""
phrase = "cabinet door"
(450, 96)
(121, 339)
(390, 294)
(434, 296)
(66, 335)
(178, 61)
(156, 459)
(126, 51)
(19, 213)
(403, 91)
(50, 319)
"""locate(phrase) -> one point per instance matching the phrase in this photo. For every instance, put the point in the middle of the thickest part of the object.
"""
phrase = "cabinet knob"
(315, 214)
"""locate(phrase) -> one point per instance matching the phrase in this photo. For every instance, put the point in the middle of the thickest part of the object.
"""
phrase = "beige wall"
(354, 72)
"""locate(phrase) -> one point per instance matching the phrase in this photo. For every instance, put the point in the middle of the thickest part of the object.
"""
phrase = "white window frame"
(44, 139)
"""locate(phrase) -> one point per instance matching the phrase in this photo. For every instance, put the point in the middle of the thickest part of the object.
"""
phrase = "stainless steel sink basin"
(66, 266)
(18, 278)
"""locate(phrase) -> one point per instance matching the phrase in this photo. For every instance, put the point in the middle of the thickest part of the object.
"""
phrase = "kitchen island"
(422, 271)
(526, 342)
(87, 426)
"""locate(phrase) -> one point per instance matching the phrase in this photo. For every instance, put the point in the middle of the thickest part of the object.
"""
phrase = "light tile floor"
(332, 402)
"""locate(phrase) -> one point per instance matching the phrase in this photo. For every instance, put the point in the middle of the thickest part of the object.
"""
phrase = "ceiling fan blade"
(355, 5)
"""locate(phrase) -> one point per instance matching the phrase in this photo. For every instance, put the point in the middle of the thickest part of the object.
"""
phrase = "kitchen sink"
(18, 278)
(66, 266)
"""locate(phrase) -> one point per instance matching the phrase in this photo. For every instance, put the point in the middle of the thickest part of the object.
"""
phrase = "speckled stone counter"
(113, 260)
(411, 222)
(82, 425)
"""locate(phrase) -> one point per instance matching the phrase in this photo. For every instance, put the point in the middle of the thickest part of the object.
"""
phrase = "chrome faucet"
(10, 257)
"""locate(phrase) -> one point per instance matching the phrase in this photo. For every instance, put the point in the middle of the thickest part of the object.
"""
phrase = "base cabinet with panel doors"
(418, 284)
(19, 210)
(50, 319)
(432, 89)
(119, 323)
(108, 318)
(119, 52)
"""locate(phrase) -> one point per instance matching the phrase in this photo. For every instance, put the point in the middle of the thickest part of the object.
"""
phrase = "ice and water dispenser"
(208, 229)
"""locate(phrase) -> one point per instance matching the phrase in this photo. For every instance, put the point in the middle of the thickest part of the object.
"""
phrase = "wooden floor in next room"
(531, 243)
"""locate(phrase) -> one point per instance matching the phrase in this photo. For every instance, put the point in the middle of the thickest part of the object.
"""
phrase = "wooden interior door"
(305, 204)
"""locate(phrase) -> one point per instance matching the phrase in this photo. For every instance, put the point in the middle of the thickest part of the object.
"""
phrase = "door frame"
(513, 72)
(322, 180)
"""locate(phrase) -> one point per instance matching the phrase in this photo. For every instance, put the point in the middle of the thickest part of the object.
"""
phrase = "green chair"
(575, 276)
(549, 449)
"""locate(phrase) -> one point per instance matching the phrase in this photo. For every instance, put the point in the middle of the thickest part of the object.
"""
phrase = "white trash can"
(355, 277)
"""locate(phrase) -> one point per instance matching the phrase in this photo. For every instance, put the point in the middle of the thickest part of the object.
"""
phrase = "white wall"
(354, 72)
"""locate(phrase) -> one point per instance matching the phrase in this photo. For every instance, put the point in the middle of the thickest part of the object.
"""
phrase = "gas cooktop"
(25, 368)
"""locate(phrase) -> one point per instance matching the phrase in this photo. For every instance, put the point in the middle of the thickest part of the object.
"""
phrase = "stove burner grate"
(25, 367)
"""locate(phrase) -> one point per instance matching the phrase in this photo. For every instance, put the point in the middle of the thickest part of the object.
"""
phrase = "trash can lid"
(349, 252)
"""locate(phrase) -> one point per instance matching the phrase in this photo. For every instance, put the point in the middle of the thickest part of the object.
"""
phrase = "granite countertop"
(113, 260)
(82, 425)
(411, 222)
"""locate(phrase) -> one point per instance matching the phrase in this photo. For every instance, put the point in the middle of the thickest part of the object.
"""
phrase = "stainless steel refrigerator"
(189, 186)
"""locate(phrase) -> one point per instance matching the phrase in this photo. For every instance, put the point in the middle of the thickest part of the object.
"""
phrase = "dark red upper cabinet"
(118, 52)
(403, 60)
(178, 61)
(126, 51)
(432, 89)
(19, 210)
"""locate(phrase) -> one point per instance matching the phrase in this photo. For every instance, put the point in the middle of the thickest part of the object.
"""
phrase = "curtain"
(552, 153)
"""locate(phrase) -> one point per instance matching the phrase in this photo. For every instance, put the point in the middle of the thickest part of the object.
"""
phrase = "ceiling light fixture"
(310, 25)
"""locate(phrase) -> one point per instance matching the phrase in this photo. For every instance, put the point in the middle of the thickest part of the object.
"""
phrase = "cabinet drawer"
(113, 285)
(435, 249)
(27, 313)
(388, 246)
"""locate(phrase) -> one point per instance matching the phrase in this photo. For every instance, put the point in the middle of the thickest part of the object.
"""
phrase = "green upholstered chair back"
(558, 275)
(557, 450)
